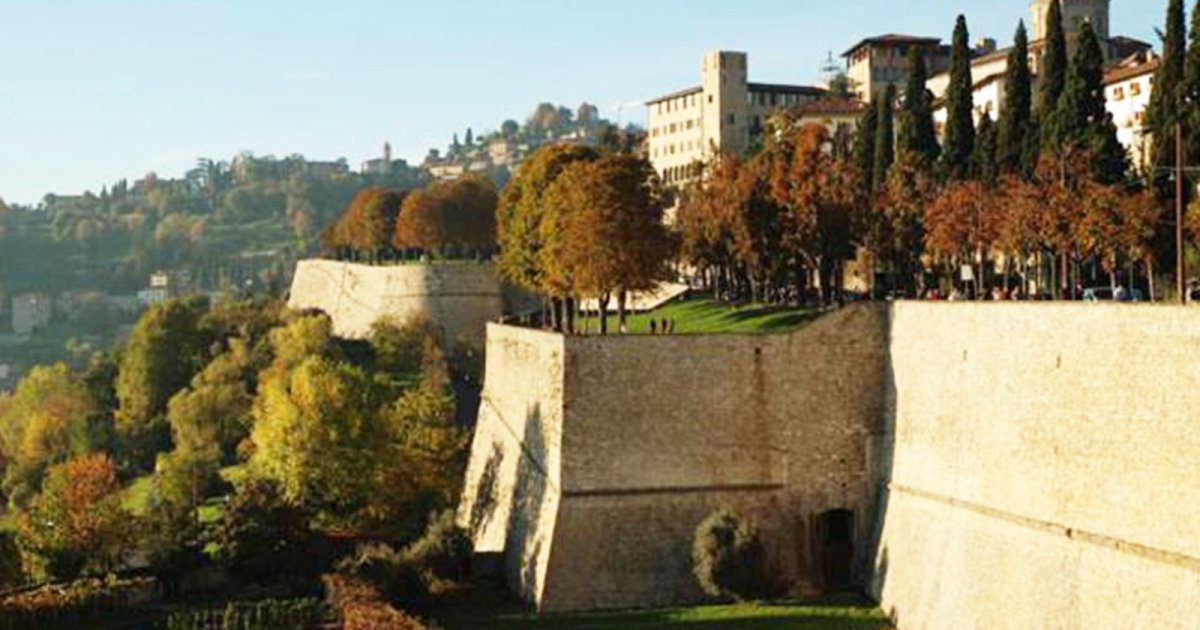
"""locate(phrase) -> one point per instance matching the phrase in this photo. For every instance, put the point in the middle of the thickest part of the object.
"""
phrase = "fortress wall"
(657, 432)
(1043, 468)
(461, 298)
(513, 483)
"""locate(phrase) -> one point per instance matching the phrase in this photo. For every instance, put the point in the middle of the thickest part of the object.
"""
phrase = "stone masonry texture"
(1007, 465)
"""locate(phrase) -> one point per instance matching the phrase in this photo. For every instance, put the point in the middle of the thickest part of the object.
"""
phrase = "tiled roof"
(833, 106)
(687, 92)
(786, 89)
(893, 38)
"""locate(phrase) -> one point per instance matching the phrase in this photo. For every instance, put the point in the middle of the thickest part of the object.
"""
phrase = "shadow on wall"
(483, 506)
(875, 561)
(523, 544)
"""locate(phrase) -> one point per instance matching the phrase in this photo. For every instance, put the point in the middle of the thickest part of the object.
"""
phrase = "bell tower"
(1075, 13)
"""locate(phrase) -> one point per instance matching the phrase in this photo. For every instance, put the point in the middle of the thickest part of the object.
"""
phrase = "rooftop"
(833, 106)
(779, 88)
(685, 92)
(893, 39)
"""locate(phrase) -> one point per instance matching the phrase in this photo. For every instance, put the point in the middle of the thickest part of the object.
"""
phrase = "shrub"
(728, 557)
(389, 573)
(377, 616)
(270, 614)
(263, 536)
(444, 552)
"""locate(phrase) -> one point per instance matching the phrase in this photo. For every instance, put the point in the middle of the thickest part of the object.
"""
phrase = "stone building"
(726, 113)
(876, 62)
(31, 312)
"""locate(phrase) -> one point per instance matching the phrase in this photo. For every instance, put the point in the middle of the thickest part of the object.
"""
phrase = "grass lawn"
(493, 611)
(703, 315)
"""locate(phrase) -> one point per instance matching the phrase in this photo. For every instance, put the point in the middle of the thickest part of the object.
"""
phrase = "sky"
(92, 91)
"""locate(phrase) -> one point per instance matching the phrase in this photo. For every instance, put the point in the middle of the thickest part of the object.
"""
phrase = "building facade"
(30, 312)
(876, 62)
(726, 113)
(1127, 89)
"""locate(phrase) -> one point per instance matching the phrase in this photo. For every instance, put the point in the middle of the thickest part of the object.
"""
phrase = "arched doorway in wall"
(835, 549)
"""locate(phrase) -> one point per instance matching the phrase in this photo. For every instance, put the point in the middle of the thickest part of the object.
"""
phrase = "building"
(30, 312)
(383, 165)
(839, 116)
(165, 285)
(724, 114)
(1127, 92)
(876, 62)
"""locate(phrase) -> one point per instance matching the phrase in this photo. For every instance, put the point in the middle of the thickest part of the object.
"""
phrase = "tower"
(1075, 13)
(725, 91)
(387, 153)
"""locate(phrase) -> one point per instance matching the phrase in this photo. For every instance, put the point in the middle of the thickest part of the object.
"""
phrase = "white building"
(30, 312)
(724, 114)
(1127, 91)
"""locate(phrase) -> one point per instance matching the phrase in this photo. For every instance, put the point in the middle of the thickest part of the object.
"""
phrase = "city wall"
(1043, 467)
(458, 297)
(1005, 465)
(624, 444)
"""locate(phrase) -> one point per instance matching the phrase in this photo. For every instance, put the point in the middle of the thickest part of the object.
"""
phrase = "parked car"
(1107, 294)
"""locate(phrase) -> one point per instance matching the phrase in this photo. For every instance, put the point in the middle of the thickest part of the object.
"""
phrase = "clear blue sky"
(91, 91)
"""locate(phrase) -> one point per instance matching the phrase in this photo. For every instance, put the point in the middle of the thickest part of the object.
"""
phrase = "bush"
(377, 616)
(271, 614)
(728, 557)
(444, 552)
(262, 536)
(388, 573)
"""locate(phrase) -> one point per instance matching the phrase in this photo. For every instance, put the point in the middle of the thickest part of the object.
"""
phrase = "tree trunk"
(622, 296)
(1150, 276)
(569, 304)
(604, 298)
(556, 305)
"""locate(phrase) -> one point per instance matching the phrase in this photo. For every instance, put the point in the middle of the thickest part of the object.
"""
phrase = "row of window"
(676, 174)
(670, 149)
(678, 103)
(774, 99)
(687, 125)
(1135, 89)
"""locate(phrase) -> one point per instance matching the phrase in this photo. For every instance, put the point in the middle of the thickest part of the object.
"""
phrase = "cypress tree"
(1190, 92)
(864, 148)
(885, 136)
(1014, 151)
(1081, 104)
(983, 158)
(960, 124)
(918, 135)
(1164, 108)
(1053, 75)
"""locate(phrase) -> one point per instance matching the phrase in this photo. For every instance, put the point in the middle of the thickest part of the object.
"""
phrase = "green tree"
(918, 134)
(167, 348)
(263, 535)
(885, 135)
(1166, 105)
(1190, 93)
(1015, 149)
(983, 159)
(1053, 77)
(863, 154)
(960, 123)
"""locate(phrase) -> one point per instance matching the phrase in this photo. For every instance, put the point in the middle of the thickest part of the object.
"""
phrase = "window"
(1119, 94)
(732, 120)
(1135, 88)
(710, 99)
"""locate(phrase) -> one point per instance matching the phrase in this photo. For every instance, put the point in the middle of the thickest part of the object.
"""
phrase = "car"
(1108, 294)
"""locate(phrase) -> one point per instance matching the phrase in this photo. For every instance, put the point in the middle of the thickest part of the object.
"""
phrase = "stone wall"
(1043, 467)
(460, 298)
(647, 435)
(1007, 465)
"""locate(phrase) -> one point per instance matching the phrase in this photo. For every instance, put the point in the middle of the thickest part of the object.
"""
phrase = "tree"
(1015, 150)
(510, 128)
(1166, 105)
(863, 154)
(612, 239)
(264, 535)
(420, 223)
(1190, 93)
(983, 159)
(705, 222)
(960, 228)
(317, 436)
(885, 135)
(918, 134)
(520, 213)
(1082, 120)
(960, 123)
(46, 421)
(895, 228)
(1053, 74)
(469, 214)
(470, 139)
(77, 524)
(167, 347)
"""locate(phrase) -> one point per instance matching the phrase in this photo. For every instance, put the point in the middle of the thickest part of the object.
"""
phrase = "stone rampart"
(1043, 467)
(459, 297)
(993, 465)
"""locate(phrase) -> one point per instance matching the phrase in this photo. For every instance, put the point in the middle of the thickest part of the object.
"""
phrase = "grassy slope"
(700, 315)
(490, 612)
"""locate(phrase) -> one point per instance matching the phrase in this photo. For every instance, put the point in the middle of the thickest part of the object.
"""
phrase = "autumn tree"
(368, 224)
(960, 228)
(77, 524)
(612, 239)
(705, 222)
(458, 215)
(47, 420)
(520, 212)
(885, 136)
(893, 230)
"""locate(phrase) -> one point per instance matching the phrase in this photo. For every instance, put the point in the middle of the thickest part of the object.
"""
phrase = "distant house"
(165, 285)
(31, 312)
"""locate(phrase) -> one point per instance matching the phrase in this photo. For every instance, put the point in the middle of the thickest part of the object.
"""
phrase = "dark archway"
(835, 544)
